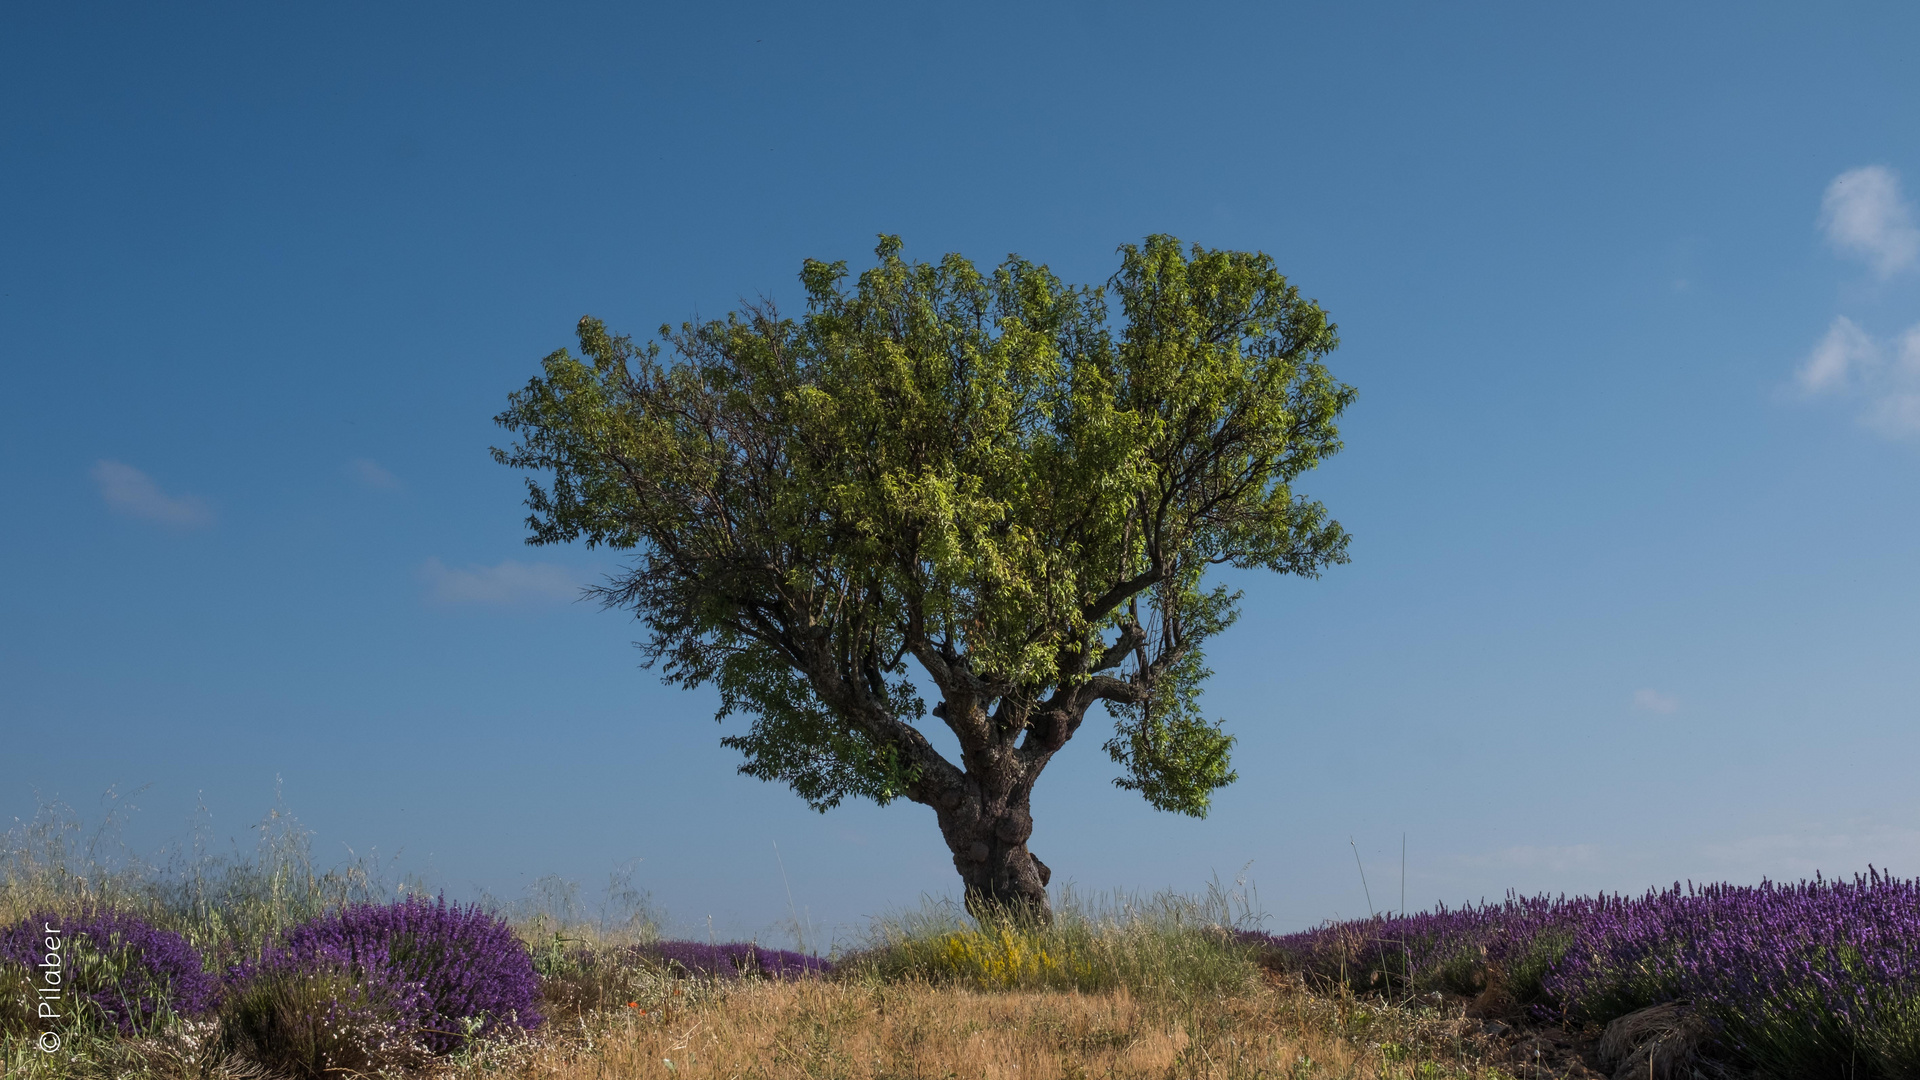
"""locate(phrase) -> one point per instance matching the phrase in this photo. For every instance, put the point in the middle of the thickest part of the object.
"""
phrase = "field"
(265, 966)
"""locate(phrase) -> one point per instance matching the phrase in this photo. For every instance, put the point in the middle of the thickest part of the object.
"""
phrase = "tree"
(988, 476)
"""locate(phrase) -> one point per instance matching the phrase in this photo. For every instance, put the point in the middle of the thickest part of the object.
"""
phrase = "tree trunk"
(988, 838)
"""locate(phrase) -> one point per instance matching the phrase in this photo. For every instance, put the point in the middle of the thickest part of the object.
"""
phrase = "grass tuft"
(1162, 944)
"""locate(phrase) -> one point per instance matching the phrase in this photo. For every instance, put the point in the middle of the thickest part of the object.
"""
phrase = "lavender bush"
(1809, 979)
(1818, 977)
(1456, 950)
(132, 972)
(733, 960)
(446, 972)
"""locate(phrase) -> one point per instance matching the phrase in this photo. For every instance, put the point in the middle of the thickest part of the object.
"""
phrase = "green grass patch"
(1165, 943)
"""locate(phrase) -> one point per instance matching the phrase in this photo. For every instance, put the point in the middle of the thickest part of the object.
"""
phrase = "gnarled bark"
(988, 837)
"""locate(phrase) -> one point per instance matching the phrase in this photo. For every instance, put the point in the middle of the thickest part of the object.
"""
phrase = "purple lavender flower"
(130, 970)
(1798, 979)
(1452, 949)
(736, 959)
(1816, 978)
(444, 968)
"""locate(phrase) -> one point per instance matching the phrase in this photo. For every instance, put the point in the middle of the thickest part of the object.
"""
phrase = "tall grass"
(230, 904)
(1163, 943)
(227, 905)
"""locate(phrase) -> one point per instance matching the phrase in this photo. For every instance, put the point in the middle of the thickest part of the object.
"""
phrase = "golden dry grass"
(913, 1030)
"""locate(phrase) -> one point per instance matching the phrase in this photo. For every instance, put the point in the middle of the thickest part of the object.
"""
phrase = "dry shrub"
(578, 982)
(1661, 1042)
(312, 1024)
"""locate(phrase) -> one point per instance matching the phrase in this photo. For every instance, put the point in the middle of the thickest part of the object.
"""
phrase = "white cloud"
(1864, 215)
(1845, 350)
(1655, 701)
(133, 493)
(507, 582)
(1885, 375)
(372, 474)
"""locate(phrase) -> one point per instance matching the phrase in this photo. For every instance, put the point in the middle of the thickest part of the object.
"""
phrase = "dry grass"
(898, 1031)
(1662, 1042)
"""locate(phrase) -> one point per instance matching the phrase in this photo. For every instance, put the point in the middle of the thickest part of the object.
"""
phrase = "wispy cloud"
(1883, 375)
(1865, 216)
(133, 493)
(373, 474)
(1841, 357)
(1655, 701)
(506, 582)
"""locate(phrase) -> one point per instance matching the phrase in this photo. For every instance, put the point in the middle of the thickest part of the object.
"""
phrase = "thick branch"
(851, 701)
(1108, 602)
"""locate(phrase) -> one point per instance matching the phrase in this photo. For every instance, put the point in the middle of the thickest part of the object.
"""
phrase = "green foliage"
(988, 472)
(796, 739)
(1169, 752)
(1529, 966)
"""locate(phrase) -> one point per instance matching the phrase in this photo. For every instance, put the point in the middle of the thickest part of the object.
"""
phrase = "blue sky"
(1631, 294)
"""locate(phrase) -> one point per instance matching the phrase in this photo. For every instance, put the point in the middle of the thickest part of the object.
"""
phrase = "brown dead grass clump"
(907, 1031)
(1662, 1042)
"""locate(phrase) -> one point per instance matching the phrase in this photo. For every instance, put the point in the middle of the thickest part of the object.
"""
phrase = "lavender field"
(1815, 978)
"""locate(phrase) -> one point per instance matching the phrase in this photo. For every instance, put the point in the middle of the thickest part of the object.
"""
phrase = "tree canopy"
(1014, 484)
